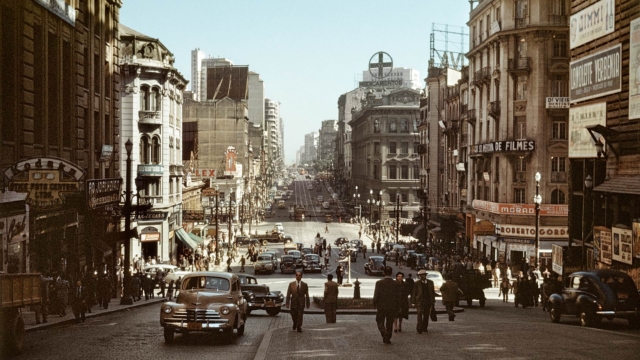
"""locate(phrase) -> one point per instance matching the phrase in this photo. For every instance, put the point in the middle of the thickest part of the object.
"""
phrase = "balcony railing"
(559, 20)
(150, 170)
(494, 109)
(521, 23)
(149, 117)
(422, 149)
(522, 64)
(463, 109)
(471, 115)
(150, 200)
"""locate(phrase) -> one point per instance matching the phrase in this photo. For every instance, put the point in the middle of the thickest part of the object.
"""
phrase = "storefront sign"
(103, 192)
(152, 215)
(484, 227)
(527, 231)
(622, 245)
(634, 70)
(173, 218)
(230, 161)
(199, 174)
(105, 154)
(636, 239)
(507, 240)
(592, 23)
(381, 83)
(150, 170)
(192, 215)
(596, 75)
(520, 209)
(556, 259)
(149, 234)
(495, 27)
(209, 192)
(557, 103)
(504, 146)
(581, 144)
(45, 180)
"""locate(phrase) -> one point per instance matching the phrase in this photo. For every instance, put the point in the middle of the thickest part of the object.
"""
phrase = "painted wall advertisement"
(230, 161)
(622, 245)
(556, 258)
(596, 75)
(592, 23)
(602, 244)
(634, 70)
(581, 143)
(636, 240)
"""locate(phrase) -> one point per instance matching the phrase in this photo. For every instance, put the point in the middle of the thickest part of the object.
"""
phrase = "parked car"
(242, 240)
(207, 301)
(341, 240)
(259, 297)
(264, 263)
(171, 272)
(297, 257)
(396, 250)
(326, 205)
(356, 245)
(306, 251)
(288, 264)
(375, 265)
(311, 262)
(596, 294)
(287, 239)
(420, 262)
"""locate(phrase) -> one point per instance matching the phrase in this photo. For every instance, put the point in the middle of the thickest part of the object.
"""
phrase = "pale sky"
(307, 52)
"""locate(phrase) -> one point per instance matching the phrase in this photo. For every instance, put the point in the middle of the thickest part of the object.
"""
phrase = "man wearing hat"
(424, 297)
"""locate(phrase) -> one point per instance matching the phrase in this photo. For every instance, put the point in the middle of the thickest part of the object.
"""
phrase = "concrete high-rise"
(197, 56)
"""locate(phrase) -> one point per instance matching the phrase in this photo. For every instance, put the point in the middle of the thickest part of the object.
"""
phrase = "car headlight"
(167, 310)
(225, 310)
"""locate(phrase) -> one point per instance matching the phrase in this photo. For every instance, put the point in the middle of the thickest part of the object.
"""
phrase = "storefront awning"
(197, 239)
(620, 185)
(186, 239)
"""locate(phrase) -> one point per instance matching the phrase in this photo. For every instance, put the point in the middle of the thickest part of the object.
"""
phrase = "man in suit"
(79, 305)
(424, 297)
(330, 299)
(386, 299)
(297, 298)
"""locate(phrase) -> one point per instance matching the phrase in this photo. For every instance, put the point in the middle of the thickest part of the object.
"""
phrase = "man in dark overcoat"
(386, 300)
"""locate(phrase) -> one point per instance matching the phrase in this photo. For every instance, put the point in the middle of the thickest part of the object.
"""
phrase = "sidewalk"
(55, 320)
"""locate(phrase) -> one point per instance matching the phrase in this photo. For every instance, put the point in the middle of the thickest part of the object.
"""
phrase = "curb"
(261, 354)
(72, 320)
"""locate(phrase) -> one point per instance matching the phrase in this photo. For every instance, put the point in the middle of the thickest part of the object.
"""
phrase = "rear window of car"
(618, 284)
(206, 283)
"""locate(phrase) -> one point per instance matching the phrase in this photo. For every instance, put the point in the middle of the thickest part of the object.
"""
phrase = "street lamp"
(425, 213)
(588, 185)
(537, 200)
(128, 209)
(398, 211)
(217, 226)
(356, 200)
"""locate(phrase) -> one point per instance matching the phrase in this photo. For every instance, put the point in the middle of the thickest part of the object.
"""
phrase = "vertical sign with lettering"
(581, 144)
(634, 70)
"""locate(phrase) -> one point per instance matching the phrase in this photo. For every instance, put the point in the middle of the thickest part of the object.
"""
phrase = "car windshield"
(377, 261)
(264, 258)
(433, 276)
(311, 257)
(206, 283)
(617, 284)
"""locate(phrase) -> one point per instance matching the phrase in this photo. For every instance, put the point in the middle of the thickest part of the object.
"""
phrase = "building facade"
(516, 126)
(273, 129)
(327, 140)
(151, 117)
(59, 127)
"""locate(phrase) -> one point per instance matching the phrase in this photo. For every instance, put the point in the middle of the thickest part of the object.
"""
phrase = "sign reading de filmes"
(596, 75)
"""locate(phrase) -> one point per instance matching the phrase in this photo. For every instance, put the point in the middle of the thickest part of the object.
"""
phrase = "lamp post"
(537, 200)
(398, 211)
(127, 212)
(217, 227)
(425, 214)
(370, 202)
(588, 185)
(356, 200)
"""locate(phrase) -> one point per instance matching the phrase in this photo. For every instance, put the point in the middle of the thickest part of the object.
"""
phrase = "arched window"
(171, 151)
(144, 98)
(155, 150)
(404, 126)
(156, 100)
(557, 196)
(144, 150)
(393, 126)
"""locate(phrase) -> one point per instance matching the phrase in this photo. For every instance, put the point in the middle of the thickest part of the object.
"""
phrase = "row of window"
(393, 147)
(151, 149)
(397, 172)
(393, 126)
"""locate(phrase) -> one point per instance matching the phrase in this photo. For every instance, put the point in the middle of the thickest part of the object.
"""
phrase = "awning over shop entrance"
(186, 239)
(197, 239)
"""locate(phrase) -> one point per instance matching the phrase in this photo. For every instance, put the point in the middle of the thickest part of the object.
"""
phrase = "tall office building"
(197, 56)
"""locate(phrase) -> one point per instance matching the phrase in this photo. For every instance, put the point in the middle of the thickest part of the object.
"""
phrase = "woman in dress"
(405, 290)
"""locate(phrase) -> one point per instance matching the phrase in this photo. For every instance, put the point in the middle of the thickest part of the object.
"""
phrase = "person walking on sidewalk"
(424, 297)
(242, 262)
(170, 289)
(386, 300)
(340, 273)
(297, 298)
(79, 305)
(326, 229)
(229, 264)
(405, 290)
(330, 299)
(450, 292)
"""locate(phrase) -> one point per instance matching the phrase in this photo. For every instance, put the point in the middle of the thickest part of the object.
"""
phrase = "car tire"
(482, 302)
(273, 311)
(240, 330)
(169, 334)
(265, 242)
(555, 313)
(469, 302)
(587, 319)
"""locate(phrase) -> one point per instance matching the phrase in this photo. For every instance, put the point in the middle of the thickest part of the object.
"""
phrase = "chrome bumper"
(617, 313)
(263, 305)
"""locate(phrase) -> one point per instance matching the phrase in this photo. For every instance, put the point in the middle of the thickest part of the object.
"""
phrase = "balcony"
(451, 125)
(520, 177)
(559, 20)
(176, 170)
(463, 109)
(558, 177)
(422, 149)
(150, 200)
(521, 23)
(482, 75)
(494, 109)
(519, 66)
(150, 170)
(471, 116)
(149, 117)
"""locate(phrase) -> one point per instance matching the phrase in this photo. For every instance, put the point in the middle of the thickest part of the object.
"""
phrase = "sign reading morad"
(596, 75)
(504, 146)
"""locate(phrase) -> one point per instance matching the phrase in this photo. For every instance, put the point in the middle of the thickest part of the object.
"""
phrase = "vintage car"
(264, 264)
(438, 280)
(297, 257)
(289, 247)
(208, 301)
(259, 297)
(396, 250)
(306, 251)
(288, 264)
(346, 250)
(596, 294)
(311, 262)
(375, 265)
(242, 240)
(356, 245)
(341, 240)
(420, 262)
(171, 272)
(287, 239)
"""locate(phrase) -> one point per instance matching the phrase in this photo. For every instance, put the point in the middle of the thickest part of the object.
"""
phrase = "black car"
(419, 262)
(375, 265)
(596, 294)
(255, 242)
(341, 240)
(311, 262)
(242, 240)
(306, 251)
(288, 264)
(287, 239)
(259, 297)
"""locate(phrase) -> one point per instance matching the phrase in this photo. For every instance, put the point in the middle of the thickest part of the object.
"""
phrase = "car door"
(571, 292)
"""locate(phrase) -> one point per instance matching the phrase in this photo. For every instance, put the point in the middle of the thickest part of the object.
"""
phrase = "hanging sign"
(592, 23)
(634, 70)
(596, 75)
(622, 245)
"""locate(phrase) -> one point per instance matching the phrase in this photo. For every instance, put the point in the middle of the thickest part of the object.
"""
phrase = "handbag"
(432, 313)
